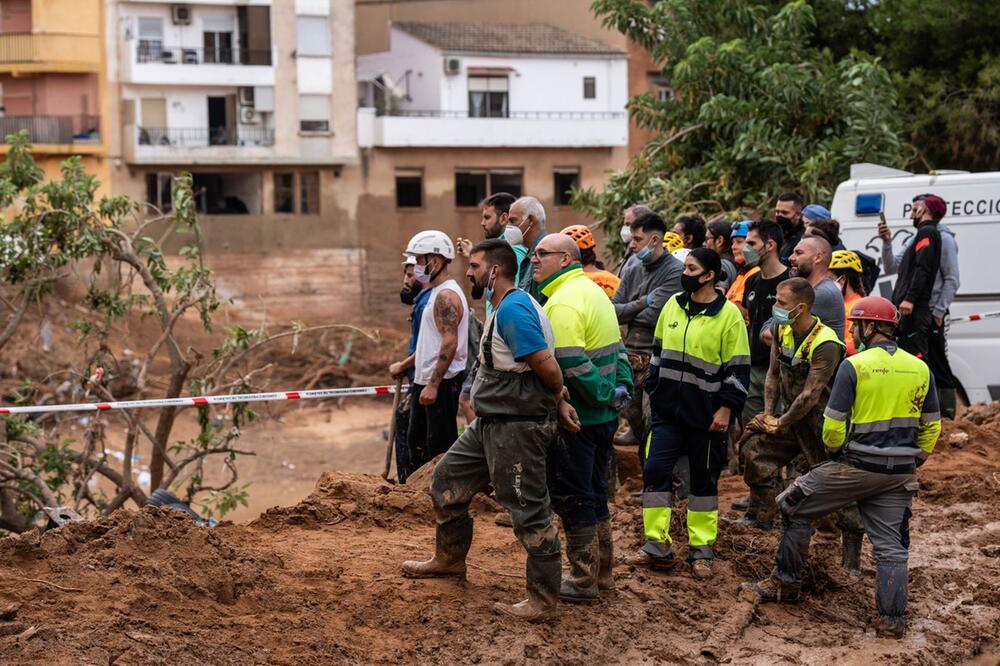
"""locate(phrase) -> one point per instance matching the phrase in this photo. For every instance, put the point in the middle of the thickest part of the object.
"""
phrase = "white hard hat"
(681, 253)
(431, 242)
(409, 260)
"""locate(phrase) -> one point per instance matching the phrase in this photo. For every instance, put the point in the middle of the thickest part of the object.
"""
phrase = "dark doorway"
(217, 121)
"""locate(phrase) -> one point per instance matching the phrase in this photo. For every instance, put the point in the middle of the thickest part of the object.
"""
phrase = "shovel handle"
(392, 429)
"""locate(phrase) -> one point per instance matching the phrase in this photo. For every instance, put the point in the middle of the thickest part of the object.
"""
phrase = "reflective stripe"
(739, 359)
(681, 357)
(884, 426)
(735, 382)
(930, 417)
(703, 503)
(832, 413)
(563, 352)
(603, 351)
(657, 500)
(579, 370)
(654, 360)
(608, 369)
(688, 378)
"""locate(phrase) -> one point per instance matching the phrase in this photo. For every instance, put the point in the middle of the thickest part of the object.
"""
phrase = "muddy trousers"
(511, 456)
(432, 428)
(578, 474)
(707, 455)
(884, 503)
(766, 455)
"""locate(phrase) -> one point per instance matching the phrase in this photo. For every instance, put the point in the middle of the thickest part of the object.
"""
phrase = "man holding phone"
(916, 272)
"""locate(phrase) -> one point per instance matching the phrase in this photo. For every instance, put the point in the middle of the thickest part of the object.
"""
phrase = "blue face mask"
(781, 316)
(644, 254)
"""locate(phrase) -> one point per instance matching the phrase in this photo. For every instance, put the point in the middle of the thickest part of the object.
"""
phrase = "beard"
(493, 231)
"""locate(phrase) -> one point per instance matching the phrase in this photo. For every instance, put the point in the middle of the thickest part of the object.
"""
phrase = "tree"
(757, 109)
(56, 232)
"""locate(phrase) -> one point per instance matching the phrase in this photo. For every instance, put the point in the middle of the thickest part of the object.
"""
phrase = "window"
(313, 35)
(218, 47)
(159, 190)
(284, 192)
(314, 113)
(470, 188)
(659, 85)
(409, 188)
(488, 97)
(565, 179)
(309, 193)
(473, 185)
(150, 39)
(589, 87)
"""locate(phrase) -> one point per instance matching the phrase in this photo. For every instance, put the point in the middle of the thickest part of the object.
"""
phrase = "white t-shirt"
(429, 339)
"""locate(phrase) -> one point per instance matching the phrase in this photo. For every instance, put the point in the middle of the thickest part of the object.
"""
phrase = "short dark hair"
(498, 253)
(794, 197)
(650, 222)
(827, 229)
(802, 291)
(769, 230)
(710, 261)
(694, 227)
(588, 256)
(853, 278)
(500, 201)
(724, 230)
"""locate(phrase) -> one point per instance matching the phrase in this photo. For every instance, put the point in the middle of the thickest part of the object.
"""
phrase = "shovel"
(392, 429)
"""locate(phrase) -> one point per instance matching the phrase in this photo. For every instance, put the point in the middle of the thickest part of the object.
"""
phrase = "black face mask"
(408, 295)
(786, 224)
(916, 222)
(691, 283)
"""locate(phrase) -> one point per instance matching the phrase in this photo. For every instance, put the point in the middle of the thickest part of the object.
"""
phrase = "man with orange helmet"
(588, 256)
(881, 423)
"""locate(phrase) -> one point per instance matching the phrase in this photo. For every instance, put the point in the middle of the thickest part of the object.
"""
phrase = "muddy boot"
(606, 556)
(741, 504)
(583, 554)
(850, 551)
(772, 589)
(948, 398)
(701, 569)
(542, 580)
(503, 519)
(656, 556)
(452, 542)
(890, 597)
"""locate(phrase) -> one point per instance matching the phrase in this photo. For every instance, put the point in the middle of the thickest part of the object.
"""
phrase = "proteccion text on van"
(973, 215)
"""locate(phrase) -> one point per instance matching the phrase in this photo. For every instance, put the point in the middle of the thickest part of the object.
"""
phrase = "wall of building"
(15, 16)
(423, 84)
(640, 65)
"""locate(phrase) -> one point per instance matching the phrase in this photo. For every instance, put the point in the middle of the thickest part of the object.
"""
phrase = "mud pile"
(318, 583)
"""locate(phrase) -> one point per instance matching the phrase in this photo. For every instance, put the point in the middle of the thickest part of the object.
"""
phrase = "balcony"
(49, 52)
(198, 145)
(77, 133)
(154, 63)
(521, 129)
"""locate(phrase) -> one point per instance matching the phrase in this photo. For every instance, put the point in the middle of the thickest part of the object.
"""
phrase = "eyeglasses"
(541, 254)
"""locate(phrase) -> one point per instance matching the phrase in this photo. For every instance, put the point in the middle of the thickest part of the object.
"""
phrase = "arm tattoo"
(448, 316)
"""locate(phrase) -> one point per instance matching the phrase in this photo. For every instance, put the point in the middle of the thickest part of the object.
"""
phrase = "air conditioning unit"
(452, 66)
(180, 14)
(249, 116)
(246, 97)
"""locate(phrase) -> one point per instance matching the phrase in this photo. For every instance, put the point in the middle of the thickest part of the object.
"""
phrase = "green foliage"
(757, 109)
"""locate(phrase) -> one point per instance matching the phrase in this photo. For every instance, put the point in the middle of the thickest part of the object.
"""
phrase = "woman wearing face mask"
(738, 238)
(846, 265)
(718, 237)
(699, 371)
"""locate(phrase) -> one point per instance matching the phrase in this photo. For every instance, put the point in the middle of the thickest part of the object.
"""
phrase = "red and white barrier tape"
(203, 400)
(976, 317)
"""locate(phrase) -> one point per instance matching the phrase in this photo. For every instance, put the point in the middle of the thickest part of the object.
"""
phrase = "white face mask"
(626, 234)
(422, 274)
(513, 234)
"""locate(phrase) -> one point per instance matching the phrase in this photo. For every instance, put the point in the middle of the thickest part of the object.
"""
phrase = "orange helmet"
(581, 234)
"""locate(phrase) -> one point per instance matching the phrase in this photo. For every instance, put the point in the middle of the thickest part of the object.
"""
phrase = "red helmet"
(874, 308)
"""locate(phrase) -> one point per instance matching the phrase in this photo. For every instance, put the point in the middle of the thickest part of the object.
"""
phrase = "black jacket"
(919, 267)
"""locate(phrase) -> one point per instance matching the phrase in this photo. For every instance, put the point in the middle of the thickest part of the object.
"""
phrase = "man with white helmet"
(439, 359)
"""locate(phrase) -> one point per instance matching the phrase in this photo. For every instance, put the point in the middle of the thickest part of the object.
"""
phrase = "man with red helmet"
(588, 257)
(881, 423)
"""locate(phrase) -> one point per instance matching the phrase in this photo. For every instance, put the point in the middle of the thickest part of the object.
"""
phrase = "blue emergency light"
(868, 204)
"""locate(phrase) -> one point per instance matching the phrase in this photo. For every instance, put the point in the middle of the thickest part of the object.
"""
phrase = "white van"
(974, 215)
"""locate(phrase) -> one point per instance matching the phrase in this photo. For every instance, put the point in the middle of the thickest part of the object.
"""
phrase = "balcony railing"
(154, 52)
(516, 115)
(18, 48)
(54, 129)
(204, 136)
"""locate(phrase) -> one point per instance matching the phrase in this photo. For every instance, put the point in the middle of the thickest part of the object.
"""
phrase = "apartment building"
(452, 112)
(52, 81)
(256, 99)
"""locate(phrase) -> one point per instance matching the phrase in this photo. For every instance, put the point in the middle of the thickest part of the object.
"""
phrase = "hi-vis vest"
(792, 356)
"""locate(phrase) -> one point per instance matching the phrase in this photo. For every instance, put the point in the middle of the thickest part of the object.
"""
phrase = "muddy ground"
(318, 583)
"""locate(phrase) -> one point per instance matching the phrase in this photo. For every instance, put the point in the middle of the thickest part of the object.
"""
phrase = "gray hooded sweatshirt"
(946, 282)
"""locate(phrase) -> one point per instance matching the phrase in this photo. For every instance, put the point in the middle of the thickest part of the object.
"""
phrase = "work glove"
(621, 398)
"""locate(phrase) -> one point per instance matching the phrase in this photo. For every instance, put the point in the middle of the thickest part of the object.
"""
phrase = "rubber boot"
(451, 544)
(850, 551)
(890, 596)
(772, 589)
(582, 551)
(542, 580)
(948, 398)
(606, 556)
